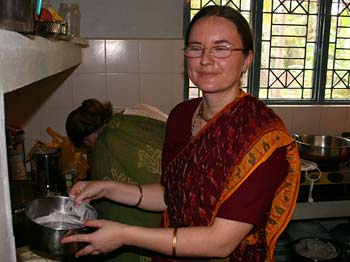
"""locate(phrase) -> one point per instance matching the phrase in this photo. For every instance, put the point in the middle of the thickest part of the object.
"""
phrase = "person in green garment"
(125, 147)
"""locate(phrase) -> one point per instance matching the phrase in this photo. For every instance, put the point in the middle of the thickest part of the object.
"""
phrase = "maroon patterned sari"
(205, 172)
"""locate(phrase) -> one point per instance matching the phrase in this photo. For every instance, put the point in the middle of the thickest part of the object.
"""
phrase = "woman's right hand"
(87, 191)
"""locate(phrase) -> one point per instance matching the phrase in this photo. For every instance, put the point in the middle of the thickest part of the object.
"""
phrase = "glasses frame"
(211, 52)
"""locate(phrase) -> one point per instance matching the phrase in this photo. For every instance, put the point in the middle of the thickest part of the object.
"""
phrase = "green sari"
(128, 150)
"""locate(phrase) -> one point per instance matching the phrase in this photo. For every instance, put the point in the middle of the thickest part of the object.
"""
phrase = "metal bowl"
(314, 249)
(323, 148)
(49, 219)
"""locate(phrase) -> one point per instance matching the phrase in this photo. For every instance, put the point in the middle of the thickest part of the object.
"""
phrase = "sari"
(205, 172)
(128, 150)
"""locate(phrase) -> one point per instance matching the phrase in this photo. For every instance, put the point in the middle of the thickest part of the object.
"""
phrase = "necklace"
(198, 116)
(201, 114)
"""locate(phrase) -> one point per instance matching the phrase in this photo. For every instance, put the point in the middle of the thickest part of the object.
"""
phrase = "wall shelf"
(24, 59)
(28, 58)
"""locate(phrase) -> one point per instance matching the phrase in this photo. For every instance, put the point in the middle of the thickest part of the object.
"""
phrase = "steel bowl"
(323, 148)
(314, 249)
(49, 219)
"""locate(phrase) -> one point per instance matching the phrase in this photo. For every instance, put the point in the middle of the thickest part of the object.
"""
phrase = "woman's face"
(90, 140)
(211, 74)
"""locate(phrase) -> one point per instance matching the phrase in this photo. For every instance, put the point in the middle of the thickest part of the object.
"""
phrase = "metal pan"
(323, 148)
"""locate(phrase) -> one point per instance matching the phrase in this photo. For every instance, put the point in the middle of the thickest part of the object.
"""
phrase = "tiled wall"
(124, 72)
(128, 72)
(326, 120)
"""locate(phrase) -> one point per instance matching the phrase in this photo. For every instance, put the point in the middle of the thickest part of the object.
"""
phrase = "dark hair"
(230, 14)
(87, 119)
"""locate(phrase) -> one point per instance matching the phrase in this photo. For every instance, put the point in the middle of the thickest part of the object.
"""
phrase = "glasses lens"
(220, 51)
(193, 51)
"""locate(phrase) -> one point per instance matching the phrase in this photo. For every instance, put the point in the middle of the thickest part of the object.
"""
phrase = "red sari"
(201, 174)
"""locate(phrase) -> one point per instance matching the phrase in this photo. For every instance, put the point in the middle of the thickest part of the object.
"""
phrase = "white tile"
(123, 89)
(333, 120)
(157, 56)
(163, 90)
(56, 119)
(61, 91)
(122, 56)
(286, 114)
(89, 86)
(306, 120)
(93, 57)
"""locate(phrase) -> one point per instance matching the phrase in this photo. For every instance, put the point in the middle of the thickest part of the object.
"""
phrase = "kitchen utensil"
(18, 15)
(323, 148)
(49, 219)
(47, 170)
(313, 249)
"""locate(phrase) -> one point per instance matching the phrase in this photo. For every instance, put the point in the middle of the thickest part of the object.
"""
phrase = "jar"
(71, 14)
(16, 153)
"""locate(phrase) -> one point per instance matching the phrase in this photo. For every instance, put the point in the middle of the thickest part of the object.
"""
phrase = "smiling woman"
(230, 170)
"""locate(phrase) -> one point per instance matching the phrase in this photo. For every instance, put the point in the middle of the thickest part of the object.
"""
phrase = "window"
(302, 49)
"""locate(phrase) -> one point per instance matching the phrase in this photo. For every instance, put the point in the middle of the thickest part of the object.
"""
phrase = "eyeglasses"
(220, 51)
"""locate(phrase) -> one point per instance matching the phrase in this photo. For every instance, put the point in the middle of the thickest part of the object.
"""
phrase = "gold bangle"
(174, 241)
(141, 196)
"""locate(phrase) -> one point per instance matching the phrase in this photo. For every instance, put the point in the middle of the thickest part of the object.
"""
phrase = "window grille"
(302, 49)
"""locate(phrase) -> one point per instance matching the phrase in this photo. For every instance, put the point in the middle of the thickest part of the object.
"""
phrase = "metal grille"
(242, 5)
(305, 49)
(338, 72)
(288, 46)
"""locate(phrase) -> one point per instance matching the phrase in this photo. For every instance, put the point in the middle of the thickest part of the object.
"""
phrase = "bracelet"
(141, 196)
(174, 241)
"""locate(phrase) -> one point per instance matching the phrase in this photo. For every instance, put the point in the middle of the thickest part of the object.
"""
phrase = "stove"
(324, 191)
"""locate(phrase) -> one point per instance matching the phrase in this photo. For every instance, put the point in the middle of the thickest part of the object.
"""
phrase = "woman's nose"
(206, 57)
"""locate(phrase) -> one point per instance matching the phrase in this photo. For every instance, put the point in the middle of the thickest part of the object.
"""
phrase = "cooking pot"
(314, 249)
(18, 15)
(49, 219)
(323, 148)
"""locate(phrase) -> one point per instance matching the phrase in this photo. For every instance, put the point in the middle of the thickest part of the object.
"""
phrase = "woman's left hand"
(105, 239)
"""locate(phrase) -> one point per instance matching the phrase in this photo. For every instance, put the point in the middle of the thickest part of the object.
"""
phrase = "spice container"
(71, 14)
(16, 153)
(17, 15)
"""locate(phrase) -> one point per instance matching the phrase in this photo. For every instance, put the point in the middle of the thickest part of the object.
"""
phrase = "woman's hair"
(87, 119)
(231, 15)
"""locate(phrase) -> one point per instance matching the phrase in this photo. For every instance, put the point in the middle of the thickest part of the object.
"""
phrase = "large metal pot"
(323, 148)
(49, 219)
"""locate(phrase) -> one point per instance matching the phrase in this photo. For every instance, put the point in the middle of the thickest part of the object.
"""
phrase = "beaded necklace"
(199, 115)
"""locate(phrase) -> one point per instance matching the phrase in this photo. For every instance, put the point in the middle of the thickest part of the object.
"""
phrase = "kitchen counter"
(24, 59)
(331, 209)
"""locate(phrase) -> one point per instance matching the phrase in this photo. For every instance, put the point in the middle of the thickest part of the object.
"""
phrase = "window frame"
(320, 64)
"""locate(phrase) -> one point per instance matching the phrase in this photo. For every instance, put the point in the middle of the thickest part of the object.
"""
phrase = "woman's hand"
(87, 191)
(105, 239)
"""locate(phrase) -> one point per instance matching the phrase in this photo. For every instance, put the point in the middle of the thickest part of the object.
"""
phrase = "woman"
(126, 147)
(230, 171)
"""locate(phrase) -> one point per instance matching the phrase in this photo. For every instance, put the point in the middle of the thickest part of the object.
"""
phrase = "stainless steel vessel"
(323, 148)
(49, 219)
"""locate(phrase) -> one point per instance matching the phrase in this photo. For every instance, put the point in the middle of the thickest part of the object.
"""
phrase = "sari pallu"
(217, 161)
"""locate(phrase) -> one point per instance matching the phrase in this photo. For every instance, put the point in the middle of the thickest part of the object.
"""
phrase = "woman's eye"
(195, 48)
(221, 48)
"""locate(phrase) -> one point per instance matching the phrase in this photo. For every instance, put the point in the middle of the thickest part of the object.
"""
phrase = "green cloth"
(128, 150)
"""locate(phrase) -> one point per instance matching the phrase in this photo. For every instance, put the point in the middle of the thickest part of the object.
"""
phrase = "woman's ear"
(248, 61)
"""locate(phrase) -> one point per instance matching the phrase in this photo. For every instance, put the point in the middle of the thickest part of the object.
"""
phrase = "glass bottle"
(71, 14)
